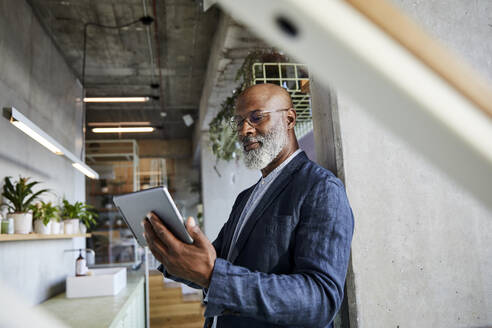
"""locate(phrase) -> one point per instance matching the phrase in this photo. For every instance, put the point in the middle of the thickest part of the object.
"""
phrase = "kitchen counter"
(124, 309)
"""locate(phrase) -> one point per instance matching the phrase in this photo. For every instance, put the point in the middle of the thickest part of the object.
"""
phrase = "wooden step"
(169, 308)
(176, 320)
(178, 309)
(158, 291)
(165, 301)
(196, 324)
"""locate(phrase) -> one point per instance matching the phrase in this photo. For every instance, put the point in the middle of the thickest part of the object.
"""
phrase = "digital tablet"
(135, 206)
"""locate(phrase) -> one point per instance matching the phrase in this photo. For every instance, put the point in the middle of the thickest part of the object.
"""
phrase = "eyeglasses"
(254, 118)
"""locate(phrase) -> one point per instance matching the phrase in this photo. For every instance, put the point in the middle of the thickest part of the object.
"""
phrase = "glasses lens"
(255, 117)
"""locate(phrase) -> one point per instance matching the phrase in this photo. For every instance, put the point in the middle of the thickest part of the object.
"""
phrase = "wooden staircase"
(169, 308)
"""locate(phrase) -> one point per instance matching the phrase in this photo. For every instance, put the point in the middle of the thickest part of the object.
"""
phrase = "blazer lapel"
(271, 194)
(235, 217)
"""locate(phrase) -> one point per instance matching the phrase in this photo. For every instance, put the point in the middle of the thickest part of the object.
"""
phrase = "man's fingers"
(152, 238)
(162, 232)
(194, 230)
(155, 245)
(191, 224)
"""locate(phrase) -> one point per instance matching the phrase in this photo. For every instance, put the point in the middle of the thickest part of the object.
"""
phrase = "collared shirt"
(255, 197)
(253, 200)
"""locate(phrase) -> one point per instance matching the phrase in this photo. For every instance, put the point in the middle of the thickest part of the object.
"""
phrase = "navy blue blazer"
(289, 264)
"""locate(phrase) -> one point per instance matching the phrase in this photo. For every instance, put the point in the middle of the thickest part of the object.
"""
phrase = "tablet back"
(135, 206)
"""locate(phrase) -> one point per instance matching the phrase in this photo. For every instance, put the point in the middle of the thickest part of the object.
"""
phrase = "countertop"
(93, 312)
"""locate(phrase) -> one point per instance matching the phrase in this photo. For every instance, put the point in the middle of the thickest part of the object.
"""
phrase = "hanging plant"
(223, 140)
(222, 137)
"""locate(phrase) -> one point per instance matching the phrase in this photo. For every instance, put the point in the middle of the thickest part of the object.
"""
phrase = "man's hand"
(193, 262)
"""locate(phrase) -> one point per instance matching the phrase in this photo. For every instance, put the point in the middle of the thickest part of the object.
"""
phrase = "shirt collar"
(272, 175)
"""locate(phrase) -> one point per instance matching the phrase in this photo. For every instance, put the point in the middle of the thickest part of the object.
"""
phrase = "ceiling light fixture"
(136, 129)
(115, 99)
(118, 124)
(32, 130)
(83, 168)
(43, 140)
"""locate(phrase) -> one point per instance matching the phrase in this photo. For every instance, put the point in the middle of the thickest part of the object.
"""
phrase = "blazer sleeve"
(312, 294)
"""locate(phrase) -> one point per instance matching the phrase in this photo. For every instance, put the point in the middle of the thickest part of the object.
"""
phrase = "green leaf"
(18, 193)
(33, 197)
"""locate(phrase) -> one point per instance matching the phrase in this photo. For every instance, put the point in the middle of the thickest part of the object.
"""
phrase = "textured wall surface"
(421, 252)
(35, 79)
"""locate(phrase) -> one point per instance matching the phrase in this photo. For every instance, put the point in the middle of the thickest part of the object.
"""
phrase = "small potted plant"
(44, 214)
(87, 218)
(56, 224)
(20, 195)
(74, 213)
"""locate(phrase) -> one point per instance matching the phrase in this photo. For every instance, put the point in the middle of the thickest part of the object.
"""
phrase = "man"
(281, 258)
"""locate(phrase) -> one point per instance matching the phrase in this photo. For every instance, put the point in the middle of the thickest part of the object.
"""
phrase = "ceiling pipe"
(158, 50)
(153, 84)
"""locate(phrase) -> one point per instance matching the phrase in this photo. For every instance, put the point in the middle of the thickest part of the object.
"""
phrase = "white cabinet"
(132, 315)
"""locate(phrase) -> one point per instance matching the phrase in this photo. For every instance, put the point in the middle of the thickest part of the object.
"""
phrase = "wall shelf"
(35, 236)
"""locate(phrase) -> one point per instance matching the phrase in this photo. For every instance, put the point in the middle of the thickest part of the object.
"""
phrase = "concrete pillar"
(323, 100)
(329, 154)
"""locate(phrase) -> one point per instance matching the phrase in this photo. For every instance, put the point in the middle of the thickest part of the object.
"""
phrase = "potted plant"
(20, 195)
(44, 214)
(56, 224)
(76, 212)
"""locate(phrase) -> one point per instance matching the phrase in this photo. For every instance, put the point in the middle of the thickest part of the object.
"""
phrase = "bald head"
(270, 138)
(270, 95)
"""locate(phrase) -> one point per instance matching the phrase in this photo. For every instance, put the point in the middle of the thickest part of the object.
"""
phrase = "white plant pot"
(82, 228)
(22, 222)
(56, 227)
(75, 225)
(40, 228)
(68, 227)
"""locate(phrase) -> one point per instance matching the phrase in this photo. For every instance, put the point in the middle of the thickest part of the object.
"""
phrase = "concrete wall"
(421, 254)
(220, 192)
(35, 79)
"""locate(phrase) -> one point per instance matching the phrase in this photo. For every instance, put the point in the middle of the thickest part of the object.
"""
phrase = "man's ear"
(291, 118)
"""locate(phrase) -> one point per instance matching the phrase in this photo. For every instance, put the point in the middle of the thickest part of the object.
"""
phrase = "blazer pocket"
(279, 223)
(278, 230)
(278, 235)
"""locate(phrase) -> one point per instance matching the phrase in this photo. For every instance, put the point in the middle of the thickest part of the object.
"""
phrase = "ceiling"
(173, 52)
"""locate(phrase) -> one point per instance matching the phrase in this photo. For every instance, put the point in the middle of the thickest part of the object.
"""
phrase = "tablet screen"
(135, 206)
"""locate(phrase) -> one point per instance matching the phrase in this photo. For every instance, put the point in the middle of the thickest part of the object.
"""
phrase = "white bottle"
(80, 265)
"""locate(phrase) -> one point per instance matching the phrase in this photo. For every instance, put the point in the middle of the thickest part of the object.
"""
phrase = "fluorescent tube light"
(25, 125)
(115, 99)
(36, 136)
(138, 129)
(83, 168)
(118, 124)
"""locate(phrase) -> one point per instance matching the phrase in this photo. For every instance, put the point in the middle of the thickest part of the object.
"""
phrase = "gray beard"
(271, 144)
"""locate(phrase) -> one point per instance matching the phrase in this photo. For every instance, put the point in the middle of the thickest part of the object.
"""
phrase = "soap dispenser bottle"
(80, 265)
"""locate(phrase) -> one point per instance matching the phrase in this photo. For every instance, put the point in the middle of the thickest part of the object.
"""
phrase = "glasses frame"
(237, 126)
